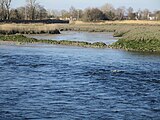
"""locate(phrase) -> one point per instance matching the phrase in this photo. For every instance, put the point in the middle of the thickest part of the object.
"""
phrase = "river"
(47, 82)
(91, 37)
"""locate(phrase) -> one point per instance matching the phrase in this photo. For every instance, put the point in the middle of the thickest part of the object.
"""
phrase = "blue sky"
(81, 4)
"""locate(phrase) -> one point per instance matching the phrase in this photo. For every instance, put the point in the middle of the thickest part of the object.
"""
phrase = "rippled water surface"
(64, 83)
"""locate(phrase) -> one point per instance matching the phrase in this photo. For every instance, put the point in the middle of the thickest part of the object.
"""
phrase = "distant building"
(69, 18)
(152, 16)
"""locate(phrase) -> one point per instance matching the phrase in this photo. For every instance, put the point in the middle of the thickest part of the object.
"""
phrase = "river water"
(91, 37)
(49, 82)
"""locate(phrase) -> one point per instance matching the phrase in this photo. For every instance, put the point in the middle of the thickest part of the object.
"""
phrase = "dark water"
(80, 36)
(70, 83)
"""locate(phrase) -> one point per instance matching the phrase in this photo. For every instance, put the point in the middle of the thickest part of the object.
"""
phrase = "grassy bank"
(139, 39)
(21, 39)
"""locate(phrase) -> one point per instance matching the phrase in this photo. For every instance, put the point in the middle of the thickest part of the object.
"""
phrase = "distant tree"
(80, 14)
(110, 15)
(107, 7)
(5, 9)
(22, 13)
(131, 14)
(40, 12)
(65, 14)
(120, 13)
(7, 4)
(145, 14)
(53, 14)
(109, 11)
(14, 14)
(139, 14)
(31, 5)
(94, 14)
(2, 10)
(73, 12)
(158, 15)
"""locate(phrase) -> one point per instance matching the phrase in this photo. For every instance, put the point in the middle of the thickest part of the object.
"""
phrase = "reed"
(28, 29)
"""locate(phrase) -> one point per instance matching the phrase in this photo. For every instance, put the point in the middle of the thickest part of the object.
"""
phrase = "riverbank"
(134, 36)
(21, 39)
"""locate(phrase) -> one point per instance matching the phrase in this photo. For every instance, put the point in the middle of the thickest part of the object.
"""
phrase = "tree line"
(31, 11)
(34, 11)
(108, 12)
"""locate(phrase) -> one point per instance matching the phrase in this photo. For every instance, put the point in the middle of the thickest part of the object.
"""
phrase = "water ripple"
(73, 83)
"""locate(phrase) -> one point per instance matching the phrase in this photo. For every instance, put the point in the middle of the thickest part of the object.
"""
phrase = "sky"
(82, 4)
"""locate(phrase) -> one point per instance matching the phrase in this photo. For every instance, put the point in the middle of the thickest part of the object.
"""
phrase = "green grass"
(140, 39)
(23, 39)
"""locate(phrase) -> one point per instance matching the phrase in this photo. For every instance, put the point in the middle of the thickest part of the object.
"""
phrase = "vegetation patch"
(133, 37)
(12, 32)
(133, 45)
(23, 39)
(140, 39)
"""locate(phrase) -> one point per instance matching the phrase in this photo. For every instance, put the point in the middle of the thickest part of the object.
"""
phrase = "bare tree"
(107, 8)
(120, 12)
(21, 11)
(14, 14)
(41, 12)
(7, 4)
(2, 10)
(32, 7)
(5, 9)
(73, 12)
(131, 14)
(53, 13)
(65, 14)
(145, 14)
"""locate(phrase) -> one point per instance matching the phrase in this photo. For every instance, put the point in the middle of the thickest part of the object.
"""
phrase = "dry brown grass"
(28, 27)
(141, 22)
(47, 27)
